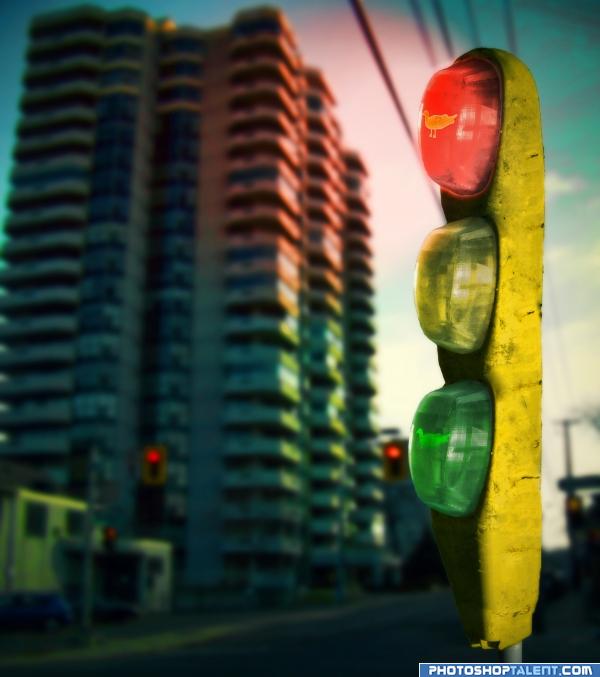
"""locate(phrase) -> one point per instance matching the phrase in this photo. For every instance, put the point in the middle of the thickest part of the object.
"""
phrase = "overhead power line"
(423, 31)
(441, 19)
(510, 26)
(475, 37)
(371, 40)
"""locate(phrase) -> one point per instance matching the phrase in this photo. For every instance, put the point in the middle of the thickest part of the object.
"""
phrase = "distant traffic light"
(154, 466)
(395, 463)
(109, 538)
(475, 447)
(574, 512)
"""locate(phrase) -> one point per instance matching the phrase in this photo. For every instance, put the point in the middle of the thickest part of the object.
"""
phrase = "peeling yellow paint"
(493, 557)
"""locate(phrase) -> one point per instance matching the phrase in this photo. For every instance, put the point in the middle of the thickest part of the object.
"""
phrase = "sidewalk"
(161, 632)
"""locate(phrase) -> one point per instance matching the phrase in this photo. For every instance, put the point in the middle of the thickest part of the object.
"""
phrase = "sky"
(561, 46)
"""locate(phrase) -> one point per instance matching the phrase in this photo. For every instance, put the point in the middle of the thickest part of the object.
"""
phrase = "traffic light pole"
(88, 546)
(512, 654)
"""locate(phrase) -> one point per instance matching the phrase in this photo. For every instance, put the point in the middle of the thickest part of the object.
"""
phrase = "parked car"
(34, 610)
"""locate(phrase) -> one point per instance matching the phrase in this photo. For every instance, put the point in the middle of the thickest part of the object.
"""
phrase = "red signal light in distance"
(153, 456)
(459, 126)
(393, 451)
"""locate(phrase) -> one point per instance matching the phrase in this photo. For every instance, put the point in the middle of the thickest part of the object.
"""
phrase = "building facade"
(188, 263)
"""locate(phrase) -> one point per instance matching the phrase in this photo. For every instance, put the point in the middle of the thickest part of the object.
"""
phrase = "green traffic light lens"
(455, 284)
(450, 447)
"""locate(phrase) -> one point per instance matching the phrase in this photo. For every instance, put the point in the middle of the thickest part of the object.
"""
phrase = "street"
(384, 635)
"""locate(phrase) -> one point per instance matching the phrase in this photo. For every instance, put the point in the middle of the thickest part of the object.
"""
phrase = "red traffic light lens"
(393, 451)
(459, 126)
(153, 456)
(110, 534)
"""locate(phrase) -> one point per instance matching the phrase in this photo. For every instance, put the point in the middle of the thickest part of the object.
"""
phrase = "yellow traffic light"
(485, 150)
(154, 465)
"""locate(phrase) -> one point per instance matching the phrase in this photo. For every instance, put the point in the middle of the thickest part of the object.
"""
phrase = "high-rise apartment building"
(188, 262)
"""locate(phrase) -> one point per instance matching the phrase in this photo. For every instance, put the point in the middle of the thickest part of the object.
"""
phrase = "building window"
(36, 519)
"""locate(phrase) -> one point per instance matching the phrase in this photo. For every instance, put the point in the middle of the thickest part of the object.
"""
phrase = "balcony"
(263, 141)
(46, 353)
(71, 113)
(44, 94)
(358, 240)
(325, 301)
(370, 493)
(49, 140)
(253, 353)
(28, 196)
(255, 415)
(254, 446)
(366, 515)
(322, 211)
(269, 295)
(59, 382)
(323, 120)
(326, 448)
(329, 421)
(35, 298)
(359, 297)
(361, 319)
(326, 369)
(324, 526)
(367, 448)
(34, 444)
(262, 383)
(33, 326)
(54, 413)
(262, 217)
(247, 47)
(325, 499)
(369, 470)
(257, 543)
(359, 280)
(363, 381)
(357, 222)
(326, 474)
(257, 479)
(264, 66)
(246, 118)
(359, 260)
(271, 511)
(263, 325)
(266, 189)
(39, 217)
(362, 341)
(40, 270)
(58, 66)
(263, 93)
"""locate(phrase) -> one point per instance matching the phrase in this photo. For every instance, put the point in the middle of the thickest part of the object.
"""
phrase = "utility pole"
(566, 424)
(87, 588)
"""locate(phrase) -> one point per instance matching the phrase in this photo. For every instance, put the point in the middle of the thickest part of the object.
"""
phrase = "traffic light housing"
(475, 449)
(110, 536)
(154, 466)
(574, 512)
(395, 460)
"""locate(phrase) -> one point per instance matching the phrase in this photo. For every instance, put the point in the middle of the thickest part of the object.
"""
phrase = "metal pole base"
(512, 654)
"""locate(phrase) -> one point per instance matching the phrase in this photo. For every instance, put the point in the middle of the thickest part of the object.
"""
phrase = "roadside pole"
(512, 654)
(88, 546)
